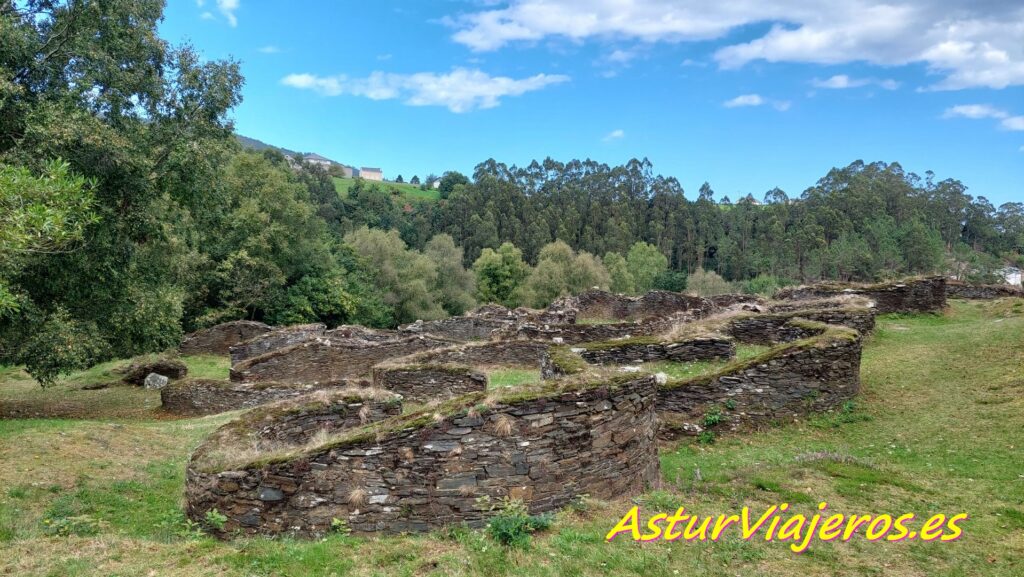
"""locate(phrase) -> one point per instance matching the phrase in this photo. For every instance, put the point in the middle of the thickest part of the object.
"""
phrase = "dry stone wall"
(772, 328)
(297, 421)
(218, 340)
(963, 290)
(516, 353)
(909, 296)
(463, 329)
(326, 360)
(597, 304)
(194, 397)
(701, 349)
(813, 375)
(417, 472)
(424, 383)
(277, 339)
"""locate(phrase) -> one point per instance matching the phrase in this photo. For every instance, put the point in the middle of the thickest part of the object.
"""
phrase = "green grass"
(676, 370)
(936, 428)
(511, 377)
(20, 396)
(406, 191)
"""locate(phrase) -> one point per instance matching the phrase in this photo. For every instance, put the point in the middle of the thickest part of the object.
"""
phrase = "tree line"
(129, 213)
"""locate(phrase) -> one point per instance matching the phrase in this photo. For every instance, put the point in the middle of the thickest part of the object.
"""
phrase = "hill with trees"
(131, 213)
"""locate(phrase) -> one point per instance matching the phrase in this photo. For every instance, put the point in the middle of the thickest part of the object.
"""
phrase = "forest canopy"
(130, 214)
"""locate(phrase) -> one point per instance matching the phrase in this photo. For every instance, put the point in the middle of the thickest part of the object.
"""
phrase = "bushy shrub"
(707, 283)
(59, 346)
(513, 525)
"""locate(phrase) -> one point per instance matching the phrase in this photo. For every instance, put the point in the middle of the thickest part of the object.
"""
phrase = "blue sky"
(745, 94)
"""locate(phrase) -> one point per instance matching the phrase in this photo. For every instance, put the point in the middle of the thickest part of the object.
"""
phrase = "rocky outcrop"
(327, 360)
(425, 383)
(427, 470)
(963, 290)
(642, 351)
(193, 397)
(276, 339)
(218, 340)
(909, 296)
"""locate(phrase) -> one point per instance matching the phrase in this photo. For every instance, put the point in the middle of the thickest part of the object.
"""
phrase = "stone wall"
(792, 380)
(516, 353)
(701, 349)
(772, 328)
(425, 383)
(193, 397)
(584, 333)
(218, 340)
(910, 296)
(420, 472)
(597, 304)
(297, 421)
(464, 328)
(963, 290)
(276, 339)
(731, 300)
(326, 360)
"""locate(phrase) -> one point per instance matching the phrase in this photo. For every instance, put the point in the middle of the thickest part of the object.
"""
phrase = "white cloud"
(228, 8)
(206, 16)
(621, 56)
(975, 111)
(744, 100)
(616, 134)
(970, 43)
(781, 105)
(843, 81)
(269, 49)
(460, 90)
(986, 111)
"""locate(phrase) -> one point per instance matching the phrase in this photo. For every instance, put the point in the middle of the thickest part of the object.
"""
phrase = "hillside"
(407, 191)
(259, 145)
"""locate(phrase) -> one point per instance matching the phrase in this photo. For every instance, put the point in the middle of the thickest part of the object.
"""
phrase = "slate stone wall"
(218, 340)
(425, 383)
(515, 353)
(915, 295)
(325, 360)
(463, 329)
(296, 421)
(277, 339)
(583, 333)
(962, 290)
(813, 378)
(598, 441)
(704, 349)
(605, 305)
(767, 329)
(194, 397)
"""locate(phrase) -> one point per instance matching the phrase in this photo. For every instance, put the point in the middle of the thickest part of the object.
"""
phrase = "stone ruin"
(219, 339)
(907, 296)
(398, 431)
(964, 290)
(418, 436)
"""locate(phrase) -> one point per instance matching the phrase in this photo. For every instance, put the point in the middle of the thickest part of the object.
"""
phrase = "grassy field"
(939, 427)
(406, 191)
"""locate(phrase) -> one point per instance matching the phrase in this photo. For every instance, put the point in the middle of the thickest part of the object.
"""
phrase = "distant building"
(313, 158)
(436, 184)
(349, 171)
(371, 173)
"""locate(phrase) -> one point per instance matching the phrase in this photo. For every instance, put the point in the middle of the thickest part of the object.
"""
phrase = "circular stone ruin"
(544, 444)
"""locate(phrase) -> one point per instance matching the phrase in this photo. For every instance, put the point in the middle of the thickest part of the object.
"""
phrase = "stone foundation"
(462, 329)
(816, 374)
(218, 340)
(773, 328)
(597, 304)
(910, 296)
(425, 383)
(626, 353)
(428, 470)
(513, 354)
(963, 290)
(326, 360)
(276, 339)
(194, 397)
